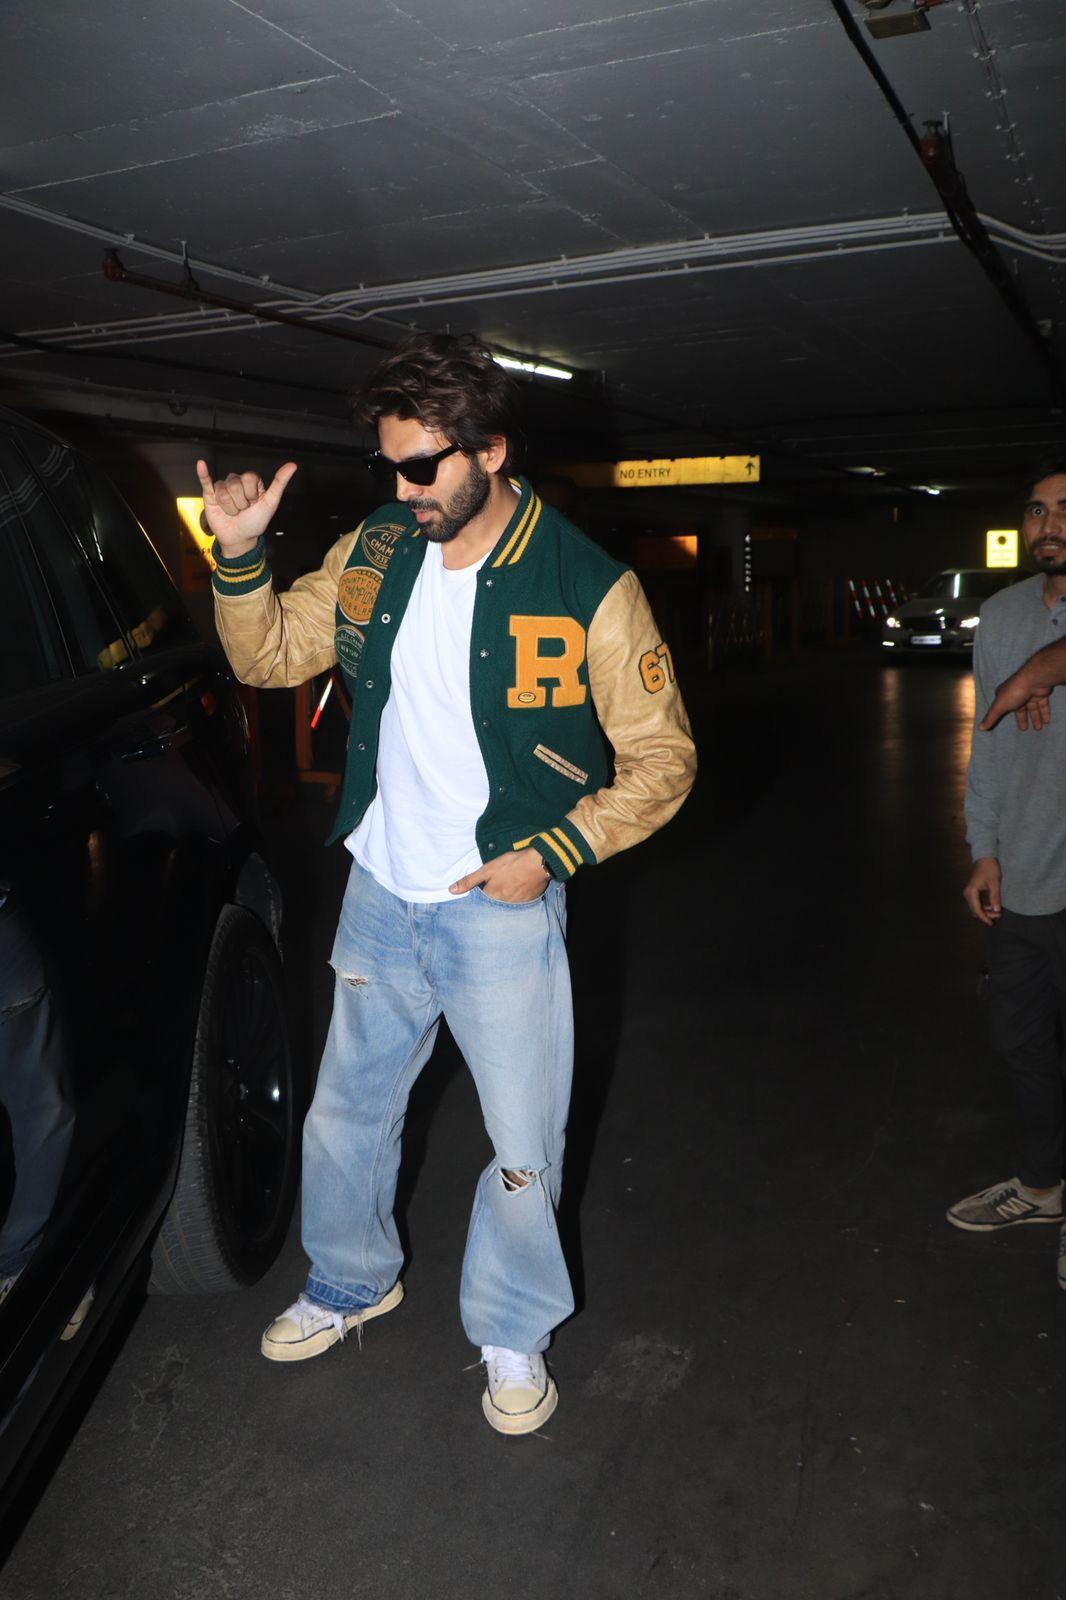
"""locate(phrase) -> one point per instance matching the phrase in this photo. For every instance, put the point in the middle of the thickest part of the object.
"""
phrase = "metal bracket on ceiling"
(912, 19)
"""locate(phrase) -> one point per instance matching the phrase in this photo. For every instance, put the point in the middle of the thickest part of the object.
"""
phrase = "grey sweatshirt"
(1016, 782)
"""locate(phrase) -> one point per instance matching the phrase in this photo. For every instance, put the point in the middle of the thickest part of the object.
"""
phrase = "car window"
(939, 587)
(114, 544)
(982, 584)
(959, 585)
(92, 634)
(31, 652)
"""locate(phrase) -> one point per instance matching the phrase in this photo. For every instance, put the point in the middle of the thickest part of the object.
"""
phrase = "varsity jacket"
(563, 643)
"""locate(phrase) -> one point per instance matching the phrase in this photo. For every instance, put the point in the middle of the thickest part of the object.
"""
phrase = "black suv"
(149, 1106)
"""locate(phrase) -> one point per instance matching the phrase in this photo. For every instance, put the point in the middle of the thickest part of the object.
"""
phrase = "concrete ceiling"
(706, 208)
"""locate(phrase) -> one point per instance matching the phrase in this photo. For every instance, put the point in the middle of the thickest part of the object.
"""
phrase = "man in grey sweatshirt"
(1016, 829)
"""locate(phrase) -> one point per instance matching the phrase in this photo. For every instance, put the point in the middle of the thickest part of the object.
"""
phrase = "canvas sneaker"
(307, 1329)
(521, 1395)
(1004, 1205)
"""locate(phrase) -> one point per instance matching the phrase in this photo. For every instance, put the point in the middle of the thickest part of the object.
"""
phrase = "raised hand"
(239, 508)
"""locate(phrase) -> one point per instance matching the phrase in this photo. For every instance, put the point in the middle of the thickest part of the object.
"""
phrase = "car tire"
(239, 1166)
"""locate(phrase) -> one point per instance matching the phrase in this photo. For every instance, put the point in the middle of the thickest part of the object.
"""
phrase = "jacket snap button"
(370, 683)
(360, 747)
(502, 789)
(489, 582)
(385, 617)
(484, 722)
(482, 654)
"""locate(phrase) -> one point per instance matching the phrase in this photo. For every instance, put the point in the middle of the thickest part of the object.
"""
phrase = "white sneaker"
(307, 1329)
(521, 1395)
(1004, 1205)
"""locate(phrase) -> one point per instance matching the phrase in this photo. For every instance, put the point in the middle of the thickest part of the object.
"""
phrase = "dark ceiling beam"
(23, 341)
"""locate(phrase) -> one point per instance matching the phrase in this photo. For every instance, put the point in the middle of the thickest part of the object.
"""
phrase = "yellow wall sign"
(197, 562)
(670, 473)
(1001, 547)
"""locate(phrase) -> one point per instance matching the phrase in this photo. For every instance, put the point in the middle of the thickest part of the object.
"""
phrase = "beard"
(1051, 560)
(465, 504)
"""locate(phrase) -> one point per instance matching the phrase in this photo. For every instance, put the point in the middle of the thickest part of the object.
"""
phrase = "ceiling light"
(867, 472)
(924, 488)
(539, 369)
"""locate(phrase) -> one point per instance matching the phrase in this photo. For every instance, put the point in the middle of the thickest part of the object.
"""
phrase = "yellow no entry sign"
(667, 473)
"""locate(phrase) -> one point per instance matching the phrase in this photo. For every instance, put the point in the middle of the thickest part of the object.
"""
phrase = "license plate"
(925, 638)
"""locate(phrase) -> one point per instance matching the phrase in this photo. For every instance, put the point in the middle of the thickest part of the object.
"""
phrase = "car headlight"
(893, 622)
(969, 622)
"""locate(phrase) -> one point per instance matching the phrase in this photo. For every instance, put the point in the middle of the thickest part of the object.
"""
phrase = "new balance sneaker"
(1062, 1258)
(307, 1329)
(1004, 1205)
(521, 1395)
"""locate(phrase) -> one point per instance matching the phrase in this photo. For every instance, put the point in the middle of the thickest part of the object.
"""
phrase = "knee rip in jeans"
(516, 1180)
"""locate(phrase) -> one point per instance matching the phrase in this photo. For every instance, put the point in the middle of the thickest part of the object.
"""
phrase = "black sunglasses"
(420, 470)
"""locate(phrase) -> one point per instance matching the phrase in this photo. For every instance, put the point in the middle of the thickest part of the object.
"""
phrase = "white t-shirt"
(417, 835)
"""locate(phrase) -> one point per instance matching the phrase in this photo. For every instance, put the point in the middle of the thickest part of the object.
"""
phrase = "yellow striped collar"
(516, 536)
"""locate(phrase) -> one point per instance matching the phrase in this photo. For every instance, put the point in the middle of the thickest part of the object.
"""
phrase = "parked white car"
(943, 616)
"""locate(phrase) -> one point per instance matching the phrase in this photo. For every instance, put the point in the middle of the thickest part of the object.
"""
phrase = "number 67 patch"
(657, 668)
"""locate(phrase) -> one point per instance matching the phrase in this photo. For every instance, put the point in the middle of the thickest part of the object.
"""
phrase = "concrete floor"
(788, 1378)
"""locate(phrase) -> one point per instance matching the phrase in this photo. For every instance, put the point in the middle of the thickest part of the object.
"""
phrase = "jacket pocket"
(559, 763)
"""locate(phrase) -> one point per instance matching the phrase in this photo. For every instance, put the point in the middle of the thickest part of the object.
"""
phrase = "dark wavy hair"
(451, 385)
(1050, 467)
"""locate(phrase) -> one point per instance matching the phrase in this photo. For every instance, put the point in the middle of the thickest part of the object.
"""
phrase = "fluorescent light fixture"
(867, 472)
(539, 369)
(924, 488)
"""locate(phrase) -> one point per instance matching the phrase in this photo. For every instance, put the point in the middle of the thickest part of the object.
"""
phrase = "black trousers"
(1027, 1008)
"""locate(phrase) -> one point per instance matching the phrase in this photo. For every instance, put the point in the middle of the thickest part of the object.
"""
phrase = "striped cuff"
(240, 574)
(562, 849)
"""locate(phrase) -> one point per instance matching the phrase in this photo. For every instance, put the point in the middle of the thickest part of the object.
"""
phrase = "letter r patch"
(532, 668)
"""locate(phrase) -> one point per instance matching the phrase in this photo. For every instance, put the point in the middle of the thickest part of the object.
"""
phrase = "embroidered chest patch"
(379, 543)
(357, 593)
(348, 643)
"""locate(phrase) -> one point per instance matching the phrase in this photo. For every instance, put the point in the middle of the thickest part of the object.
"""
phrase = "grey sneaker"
(307, 1329)
(521, 1395)
(1004, 1205)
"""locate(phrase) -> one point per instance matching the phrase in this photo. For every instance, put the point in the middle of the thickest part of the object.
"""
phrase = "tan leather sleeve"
(640, 709)
(274, 641)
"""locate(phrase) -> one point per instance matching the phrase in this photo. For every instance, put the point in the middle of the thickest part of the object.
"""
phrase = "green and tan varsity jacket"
(563, 643)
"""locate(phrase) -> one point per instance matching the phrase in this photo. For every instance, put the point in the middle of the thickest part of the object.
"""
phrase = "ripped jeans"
(498, 973)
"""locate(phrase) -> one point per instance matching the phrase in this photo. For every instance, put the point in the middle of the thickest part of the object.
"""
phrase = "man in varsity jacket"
(484, 642)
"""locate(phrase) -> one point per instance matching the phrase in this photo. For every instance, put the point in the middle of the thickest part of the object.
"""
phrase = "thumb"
(280, 481)
(992, 715)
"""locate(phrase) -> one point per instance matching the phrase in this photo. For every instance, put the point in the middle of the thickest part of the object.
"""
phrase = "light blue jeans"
(498, 973)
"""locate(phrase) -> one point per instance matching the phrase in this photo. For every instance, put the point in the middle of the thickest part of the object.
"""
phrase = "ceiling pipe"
(20, 342)
(776, 248)
(936, 156)
(116, 272)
